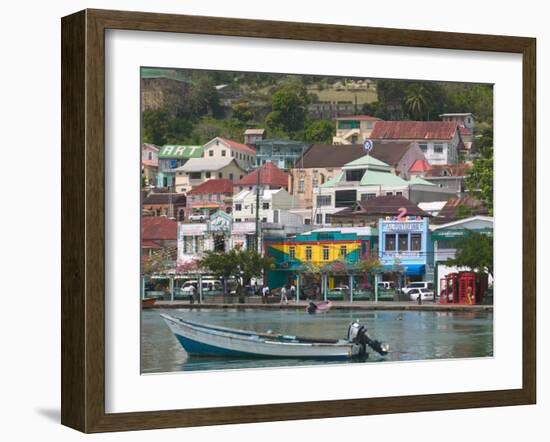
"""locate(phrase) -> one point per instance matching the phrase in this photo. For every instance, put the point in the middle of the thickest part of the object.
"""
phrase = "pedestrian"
(293, 292)
(192, 294)
(284, 296)
(265, 294)
(469, 295)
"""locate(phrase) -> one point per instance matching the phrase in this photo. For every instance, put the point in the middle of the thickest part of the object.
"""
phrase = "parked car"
(425, 294)
(198, 217)
(386, 285)
(207, 285)
(417, 285)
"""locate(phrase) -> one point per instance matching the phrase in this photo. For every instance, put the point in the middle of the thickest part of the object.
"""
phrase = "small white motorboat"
(213, 340)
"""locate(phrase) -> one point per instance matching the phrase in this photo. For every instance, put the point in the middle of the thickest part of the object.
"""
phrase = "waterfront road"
(359, 305)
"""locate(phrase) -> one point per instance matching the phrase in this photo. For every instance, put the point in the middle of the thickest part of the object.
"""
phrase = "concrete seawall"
(338, 305)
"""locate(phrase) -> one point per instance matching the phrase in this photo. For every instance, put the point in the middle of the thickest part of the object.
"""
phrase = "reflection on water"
(412, 335)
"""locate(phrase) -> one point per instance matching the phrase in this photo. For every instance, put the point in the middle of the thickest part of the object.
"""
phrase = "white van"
(386, 285)
(417, 285)
(207, 285)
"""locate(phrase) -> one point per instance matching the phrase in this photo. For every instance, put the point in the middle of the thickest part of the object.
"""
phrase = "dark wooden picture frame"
(83, 220)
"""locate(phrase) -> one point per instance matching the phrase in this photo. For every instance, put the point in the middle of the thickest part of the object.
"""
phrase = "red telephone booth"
(467, 288)
(449, 289)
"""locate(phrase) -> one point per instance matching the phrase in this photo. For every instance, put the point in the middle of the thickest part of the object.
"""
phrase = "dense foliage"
(474, 251)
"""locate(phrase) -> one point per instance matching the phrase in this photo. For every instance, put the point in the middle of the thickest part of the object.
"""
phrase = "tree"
(160, 127)
(417, 100)
(289, 108)
(319, 131)
(242, 265)
(474, 251)
(242, 112)
(480, 181)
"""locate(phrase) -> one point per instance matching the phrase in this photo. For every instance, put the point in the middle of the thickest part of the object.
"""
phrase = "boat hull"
(199, 339)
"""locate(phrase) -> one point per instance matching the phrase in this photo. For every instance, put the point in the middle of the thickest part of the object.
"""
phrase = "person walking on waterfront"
(284, 296)
(265, 294)
(293, 292)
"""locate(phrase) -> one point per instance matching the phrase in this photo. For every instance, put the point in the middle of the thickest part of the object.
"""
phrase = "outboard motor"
(357, 334)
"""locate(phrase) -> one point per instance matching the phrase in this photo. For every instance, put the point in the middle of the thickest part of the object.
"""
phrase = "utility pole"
(258, 182)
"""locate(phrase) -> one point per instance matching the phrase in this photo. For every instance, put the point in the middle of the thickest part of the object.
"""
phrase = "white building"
(445, 235)
(367, 178)
(439, 140)
(221, 148)
(272, 202)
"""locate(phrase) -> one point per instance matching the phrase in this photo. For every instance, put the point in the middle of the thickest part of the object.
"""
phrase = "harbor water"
(411, 335)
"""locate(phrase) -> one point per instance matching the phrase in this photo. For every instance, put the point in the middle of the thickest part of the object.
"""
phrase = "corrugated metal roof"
(414, 130)
(270, 175)
(158, 228)
(206, 164)
(239, 146)
(213, 186)
(374, 178)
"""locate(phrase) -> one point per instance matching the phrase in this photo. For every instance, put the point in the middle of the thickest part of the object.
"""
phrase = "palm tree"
(417, 99)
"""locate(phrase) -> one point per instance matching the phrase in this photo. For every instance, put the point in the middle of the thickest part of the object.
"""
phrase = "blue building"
(283, 153)
(406, 249)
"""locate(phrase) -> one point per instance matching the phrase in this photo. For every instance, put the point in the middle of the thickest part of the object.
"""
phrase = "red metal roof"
(441, 170)
(158, 228)
(239, 146)
(270, 175)
(420, 166)
(213, 186)
(151, 244)
(359, 117)
(414, 130)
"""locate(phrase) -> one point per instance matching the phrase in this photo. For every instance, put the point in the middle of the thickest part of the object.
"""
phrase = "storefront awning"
(406, 269)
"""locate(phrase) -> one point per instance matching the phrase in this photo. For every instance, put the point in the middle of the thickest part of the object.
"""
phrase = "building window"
(389, 193)
(308, 253)
(292, 252)
(416, 241)
(223, 153)
(423, 147)
(220, 175)
(403, 242)
(237, 220)
(195, 175)
(211, 153)
(207, 174)
(326, 253)
(324, 200)
(264, 219)
(319, 218)
(343, 251)
(265, 206)
(315, 181)
(302, 185)
(438, 148)
(399, 193)
(231, 176)
(238, 207)
(328, 218)
(307, 221)
(150, 155)
(390, 242)
(232, 153)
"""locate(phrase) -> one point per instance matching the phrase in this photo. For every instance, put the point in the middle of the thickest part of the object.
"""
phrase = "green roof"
(418, 180)
(171, 151)
(331, 182)
(374, 178)
(368, 162)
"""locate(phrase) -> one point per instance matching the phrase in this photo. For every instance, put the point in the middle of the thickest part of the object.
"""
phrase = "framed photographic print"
(268, 221)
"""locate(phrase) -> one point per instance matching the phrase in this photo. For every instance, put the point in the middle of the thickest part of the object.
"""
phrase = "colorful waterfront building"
(328, 254)
(170, 158)
(406, 249)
